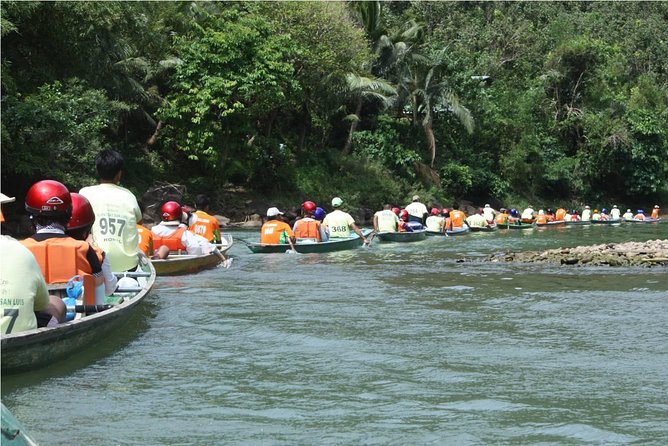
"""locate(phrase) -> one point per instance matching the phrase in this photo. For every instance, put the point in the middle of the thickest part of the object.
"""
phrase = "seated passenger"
(528, 215)
(386, 220)
(477, 220)
(489, 213)
(541, 218)
(79, 228)
(640, 216)
(628, 215)
(514, 217)
(595, 215)
(60, 256)
(502, 217)
(574, 215)
(172, 235)
(435, 221)
(308, 227)
(586, 214)
(604, 214)
(145, 244)
(615, 213)
(319, 214)
(550, 215)
(560, 215)
(403, 221)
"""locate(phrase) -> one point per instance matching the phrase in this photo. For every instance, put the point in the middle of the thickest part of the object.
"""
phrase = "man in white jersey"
(417, 211)
(615, 213)
(340, 223)
(116, 213)
(385, 220)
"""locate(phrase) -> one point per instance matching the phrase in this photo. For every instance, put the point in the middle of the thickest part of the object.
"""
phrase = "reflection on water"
(391, 344)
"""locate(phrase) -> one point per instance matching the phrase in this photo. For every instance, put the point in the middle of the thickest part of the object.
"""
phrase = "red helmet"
(171, 211)
(396, 211)
(435, 211)
(82, 212)
(308, 206)
(403, 214)
(445, 211)
(49, 198)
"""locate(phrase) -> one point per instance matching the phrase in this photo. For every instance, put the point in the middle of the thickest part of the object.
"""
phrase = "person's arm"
(110, 280)
(375, 222)
(359, 233)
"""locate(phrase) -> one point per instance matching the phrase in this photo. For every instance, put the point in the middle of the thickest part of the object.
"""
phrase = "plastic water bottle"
(74, 289)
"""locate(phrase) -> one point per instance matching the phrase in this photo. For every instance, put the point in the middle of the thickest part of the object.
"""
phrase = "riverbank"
(649, 253)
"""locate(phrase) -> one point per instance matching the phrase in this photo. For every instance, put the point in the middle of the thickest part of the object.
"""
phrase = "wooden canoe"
(607, 222)
(551, 224)
(518, 226)
(29, 350)
(490, 228)
(177, 264)
(458, 231)
(578, 223)
(310, 247)
(647, 220)
(403, 237)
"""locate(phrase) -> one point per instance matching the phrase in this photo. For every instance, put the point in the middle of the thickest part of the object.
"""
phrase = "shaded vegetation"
(522, 101)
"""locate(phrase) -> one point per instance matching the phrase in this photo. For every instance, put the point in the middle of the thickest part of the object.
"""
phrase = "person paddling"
(341, 223)
(386, 220)
(275, 231)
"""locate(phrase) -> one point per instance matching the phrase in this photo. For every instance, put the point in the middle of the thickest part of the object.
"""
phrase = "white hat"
(336, 202)
(416, 197)
(273, 212)
(656, 206)
(486, 205)
(586, 207)
(5, 199)
(614, 206)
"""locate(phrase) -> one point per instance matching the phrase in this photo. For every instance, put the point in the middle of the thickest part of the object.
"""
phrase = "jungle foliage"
(541, 101)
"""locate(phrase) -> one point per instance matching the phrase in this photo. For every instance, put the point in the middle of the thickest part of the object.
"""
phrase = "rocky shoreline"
(649, 253)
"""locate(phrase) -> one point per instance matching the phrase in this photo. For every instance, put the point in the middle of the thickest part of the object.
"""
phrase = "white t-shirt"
(115, 228)
(338, 223)
(417, 209)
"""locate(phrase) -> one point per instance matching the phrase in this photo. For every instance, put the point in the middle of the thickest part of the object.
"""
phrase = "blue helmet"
(604, 211)
(640, 211)
(514, 212)
(319, 214)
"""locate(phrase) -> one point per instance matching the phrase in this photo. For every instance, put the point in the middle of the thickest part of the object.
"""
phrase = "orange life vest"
(307, 228)
(560, 214)
(145, 240)
(655, 213)
(457, 218)
(172, 241)
(60, 259)
(541, 219)
(501, 219)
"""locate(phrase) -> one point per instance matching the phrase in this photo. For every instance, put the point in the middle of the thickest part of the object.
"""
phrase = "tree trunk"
(353, 127)
(154, 137)
(431, 139)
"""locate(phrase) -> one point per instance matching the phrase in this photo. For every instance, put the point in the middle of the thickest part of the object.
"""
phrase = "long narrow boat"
(578, 223)
(13, 432)
(550, 224)
(177, 264)
(490, 228)
(310, 247)
(647, 220)
(28, 350)
(458, 231)
(607, 222)
(518, 226)
(403, 237)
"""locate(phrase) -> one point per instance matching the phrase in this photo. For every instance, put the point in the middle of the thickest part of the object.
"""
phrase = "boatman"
(417, 211)
(586, 214)
(116, 213)
(655, 211)
(615, 212)
(341, 223)
(477, 220)
(489, 213)
(201, 223)
(386, 220)
(275, 231)
(628, 215)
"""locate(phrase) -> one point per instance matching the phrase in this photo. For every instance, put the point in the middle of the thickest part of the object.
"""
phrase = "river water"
(389, 345)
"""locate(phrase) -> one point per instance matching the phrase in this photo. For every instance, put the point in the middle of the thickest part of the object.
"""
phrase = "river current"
(394, 344)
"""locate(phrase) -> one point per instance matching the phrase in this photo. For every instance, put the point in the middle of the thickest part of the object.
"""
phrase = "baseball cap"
(272, 212)
(416, 197)
(336, 202)
(5, 199)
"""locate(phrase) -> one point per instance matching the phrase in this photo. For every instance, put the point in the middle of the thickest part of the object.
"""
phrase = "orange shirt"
(655, 213)
(457, 217)
(271, 231)
(501, 218)
(205, 225)
(560, 214)
(145, 240)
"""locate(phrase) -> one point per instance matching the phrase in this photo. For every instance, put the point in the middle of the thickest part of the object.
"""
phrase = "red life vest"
(172, 241)
(307, 228)
(60, 259)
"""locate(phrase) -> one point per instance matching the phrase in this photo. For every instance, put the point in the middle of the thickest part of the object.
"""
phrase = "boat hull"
(310, 248)
(550, 224)
(180, 264)
(403, 237)
(36, 348)
(458, 231)
(490, 228)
